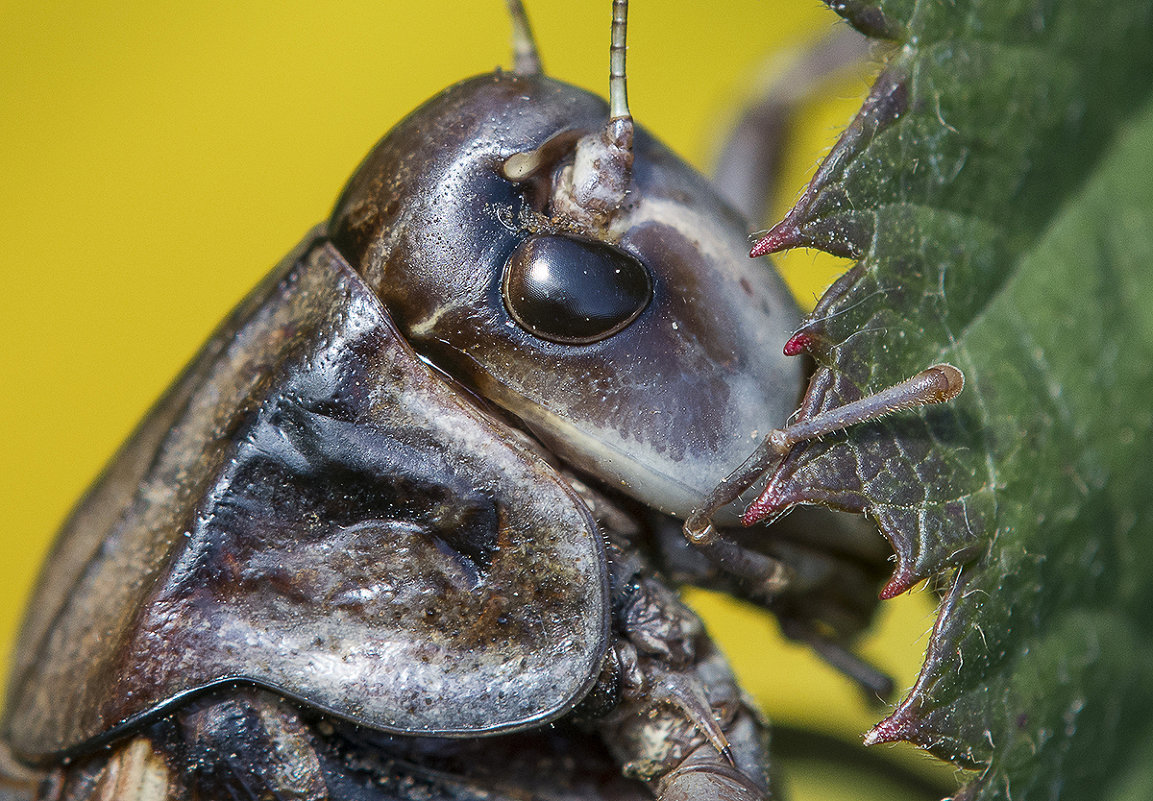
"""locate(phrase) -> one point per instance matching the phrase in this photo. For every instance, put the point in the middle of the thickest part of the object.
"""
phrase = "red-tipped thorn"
(780, 237)
(798, 343)
(902, 581)
(892, 729)
(765, 506)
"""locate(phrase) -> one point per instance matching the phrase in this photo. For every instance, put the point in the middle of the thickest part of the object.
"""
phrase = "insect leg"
(771, 577)
(702, 777)
(746, 171)
(836, 565)
(249, 741)
(236, 743)
(682, 724)
(689, 734)
(936, 384)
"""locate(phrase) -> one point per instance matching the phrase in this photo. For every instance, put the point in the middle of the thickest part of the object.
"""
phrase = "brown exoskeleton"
(404, 527)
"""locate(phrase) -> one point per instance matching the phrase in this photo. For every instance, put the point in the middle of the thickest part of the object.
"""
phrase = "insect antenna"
(589, 191)
(597, 184)
(614, 170)
(619, 116)
(525, 56)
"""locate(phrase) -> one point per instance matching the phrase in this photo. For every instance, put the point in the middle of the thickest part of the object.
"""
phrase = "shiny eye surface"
(574, 291)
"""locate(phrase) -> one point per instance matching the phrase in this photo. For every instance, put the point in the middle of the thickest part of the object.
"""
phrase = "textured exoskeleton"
(400, 530)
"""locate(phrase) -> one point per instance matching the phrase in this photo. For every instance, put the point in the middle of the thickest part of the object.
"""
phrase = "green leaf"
(997, 188)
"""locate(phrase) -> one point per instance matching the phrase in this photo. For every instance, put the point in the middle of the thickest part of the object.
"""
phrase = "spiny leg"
(681, 723)
(936, 384)
(771, 576)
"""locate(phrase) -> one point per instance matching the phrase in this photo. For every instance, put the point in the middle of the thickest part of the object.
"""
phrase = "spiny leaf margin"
(998, 190)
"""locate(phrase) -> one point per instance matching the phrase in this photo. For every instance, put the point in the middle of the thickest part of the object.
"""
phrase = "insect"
(399, 531)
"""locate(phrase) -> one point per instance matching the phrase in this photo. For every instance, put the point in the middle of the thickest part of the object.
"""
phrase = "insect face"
(643, 352)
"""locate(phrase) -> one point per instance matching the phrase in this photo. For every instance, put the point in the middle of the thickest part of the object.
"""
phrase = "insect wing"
(311, 508)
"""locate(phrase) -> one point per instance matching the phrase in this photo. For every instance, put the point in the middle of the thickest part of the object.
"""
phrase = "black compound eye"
(574, 291)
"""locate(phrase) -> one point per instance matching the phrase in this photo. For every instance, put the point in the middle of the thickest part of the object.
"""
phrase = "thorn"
(824, 210)
(798, 343)
(839, 235)
(768, 504)
(867, 18)
(782, 236)
(887, 102)
(902, 581)
(892, 729)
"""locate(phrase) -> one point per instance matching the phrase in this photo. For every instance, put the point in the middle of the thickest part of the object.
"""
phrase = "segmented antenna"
(590, 191)
(525, 57)
(618, 49)
(619, 131)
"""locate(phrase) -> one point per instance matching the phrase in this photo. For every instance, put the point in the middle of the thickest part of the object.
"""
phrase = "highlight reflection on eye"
(574, 291)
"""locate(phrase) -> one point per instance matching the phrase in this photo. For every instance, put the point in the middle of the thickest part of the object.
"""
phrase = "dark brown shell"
(313, 509)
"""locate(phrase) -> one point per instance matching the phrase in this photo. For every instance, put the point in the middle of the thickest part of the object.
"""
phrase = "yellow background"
(157, 158)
